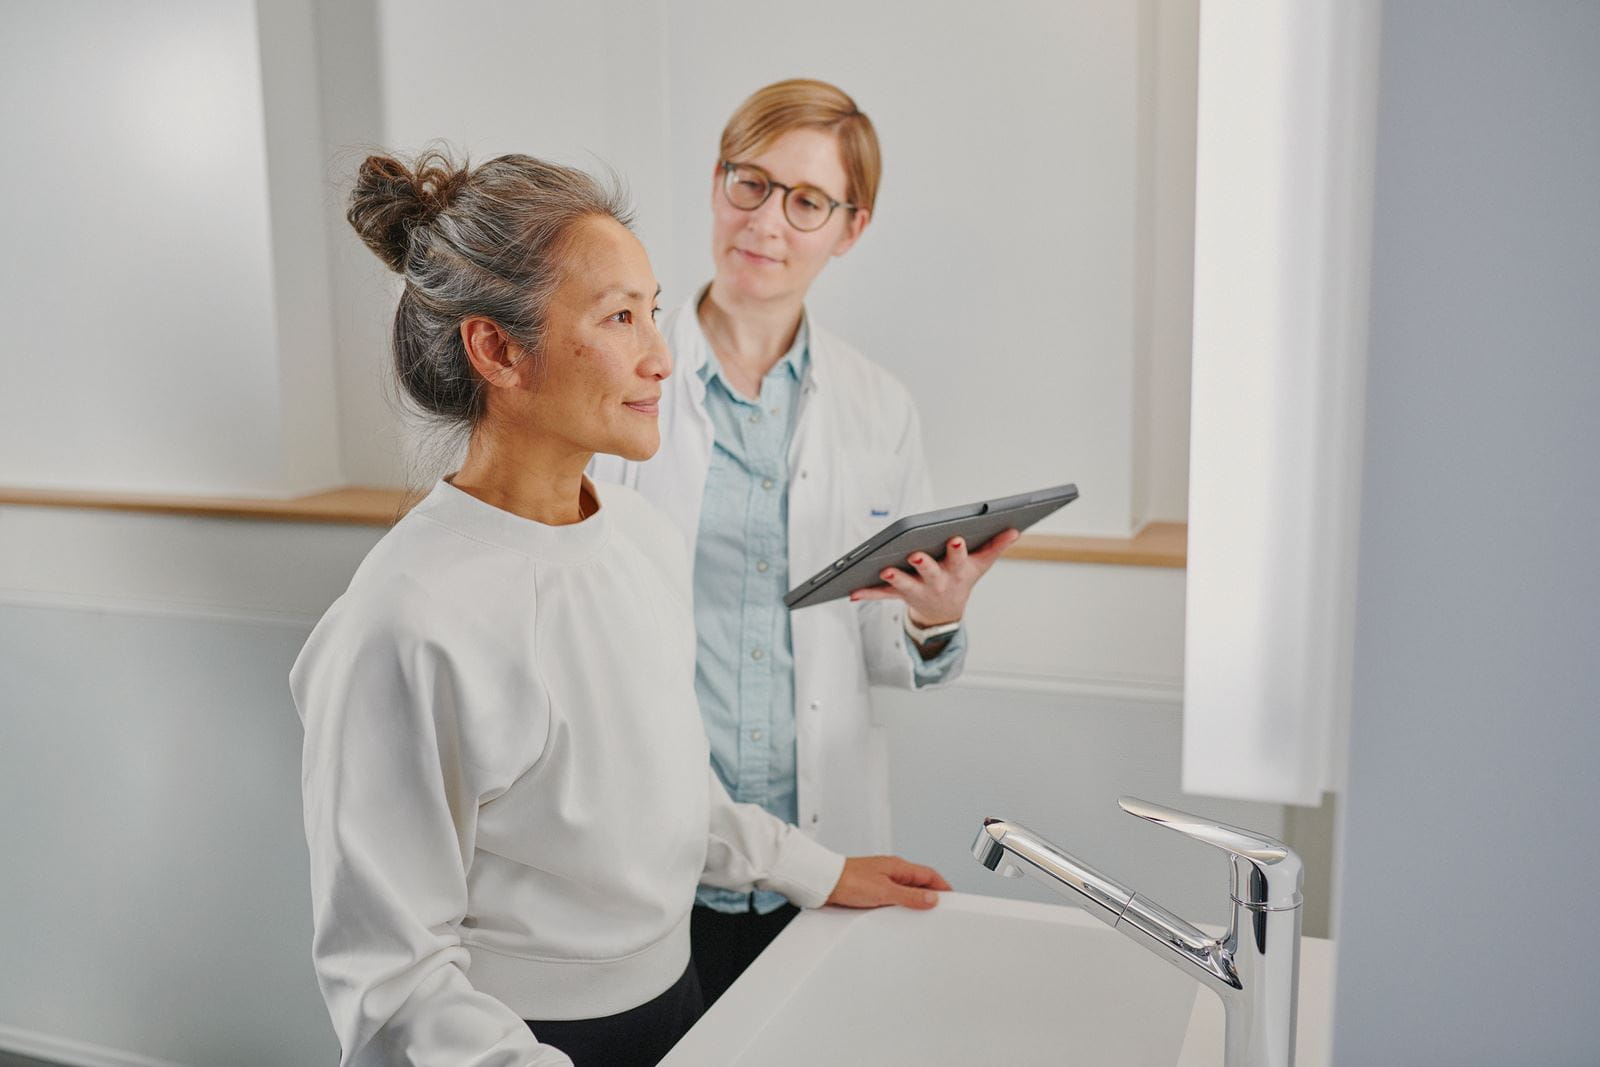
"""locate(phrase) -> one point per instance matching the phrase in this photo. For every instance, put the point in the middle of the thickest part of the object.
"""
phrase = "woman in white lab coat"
(783, 447)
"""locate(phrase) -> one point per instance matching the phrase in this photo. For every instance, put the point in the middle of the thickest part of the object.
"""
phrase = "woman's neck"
(749, 337)
(534, 479)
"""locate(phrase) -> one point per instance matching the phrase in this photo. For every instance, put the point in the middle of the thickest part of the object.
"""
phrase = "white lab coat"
(855, 464)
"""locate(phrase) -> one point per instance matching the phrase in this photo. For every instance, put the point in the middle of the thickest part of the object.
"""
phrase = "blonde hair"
(804, 103)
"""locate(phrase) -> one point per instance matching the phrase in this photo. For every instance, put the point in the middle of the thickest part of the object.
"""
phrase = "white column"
(1282, 231)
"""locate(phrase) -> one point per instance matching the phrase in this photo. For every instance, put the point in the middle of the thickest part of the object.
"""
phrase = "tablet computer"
(928, 532)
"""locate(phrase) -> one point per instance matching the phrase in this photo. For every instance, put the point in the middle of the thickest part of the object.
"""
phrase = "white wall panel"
(1283, 223)
(137, 283)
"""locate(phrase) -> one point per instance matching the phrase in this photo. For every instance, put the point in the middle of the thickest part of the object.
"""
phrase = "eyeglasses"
(805, 206)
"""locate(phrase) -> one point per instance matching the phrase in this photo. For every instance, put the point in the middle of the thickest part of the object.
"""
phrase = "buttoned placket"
(763, 446)
(800, 486)
(743, 562)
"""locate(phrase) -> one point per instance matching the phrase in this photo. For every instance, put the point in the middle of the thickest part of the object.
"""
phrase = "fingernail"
(930, 898)
(886, 575)
(919, 560)
(956, 543)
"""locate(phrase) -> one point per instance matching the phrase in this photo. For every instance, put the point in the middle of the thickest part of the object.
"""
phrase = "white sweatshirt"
(508, 795)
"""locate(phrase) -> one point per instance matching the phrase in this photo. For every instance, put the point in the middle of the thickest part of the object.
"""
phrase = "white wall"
(152, 344)
(194, 315)
(579, 83)
(1053, 333)
(999, 278)
(1163, 316)
(1469, 850)
(302, 293)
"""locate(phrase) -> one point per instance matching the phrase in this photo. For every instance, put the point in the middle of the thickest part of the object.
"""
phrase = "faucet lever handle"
(1266, 872)
(1246, 844)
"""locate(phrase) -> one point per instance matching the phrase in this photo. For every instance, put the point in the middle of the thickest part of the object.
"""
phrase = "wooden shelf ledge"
(1159, 544)
(351, 505)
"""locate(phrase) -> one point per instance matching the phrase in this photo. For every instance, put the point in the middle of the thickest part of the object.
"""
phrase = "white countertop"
(977, 979)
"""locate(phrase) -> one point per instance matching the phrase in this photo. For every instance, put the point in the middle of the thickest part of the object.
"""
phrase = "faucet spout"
(1104, 898)
(1253, 967)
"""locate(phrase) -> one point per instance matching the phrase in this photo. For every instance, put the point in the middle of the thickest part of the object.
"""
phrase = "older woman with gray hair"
(508, 799)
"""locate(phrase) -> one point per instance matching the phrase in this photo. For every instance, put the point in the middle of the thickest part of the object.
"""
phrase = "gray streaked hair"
(487, 241)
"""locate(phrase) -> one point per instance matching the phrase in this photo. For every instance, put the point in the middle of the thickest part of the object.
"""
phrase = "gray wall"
(1056, 761)
(154, 902)
(1469, 834)
(156, 874)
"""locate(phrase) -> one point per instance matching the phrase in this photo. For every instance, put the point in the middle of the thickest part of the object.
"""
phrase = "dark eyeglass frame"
(728, 168)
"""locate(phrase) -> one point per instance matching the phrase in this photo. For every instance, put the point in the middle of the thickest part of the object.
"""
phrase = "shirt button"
(762, 566)
(813, 818)
(766, 483)
(755, 418)
(755, 735)
(815, 704)
(756, 653)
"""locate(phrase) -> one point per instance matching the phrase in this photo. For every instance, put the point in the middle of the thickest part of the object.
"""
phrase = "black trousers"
(638, 1037)
(725, 944)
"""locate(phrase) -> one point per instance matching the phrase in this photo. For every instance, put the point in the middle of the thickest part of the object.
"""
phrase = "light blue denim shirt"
(744, 668)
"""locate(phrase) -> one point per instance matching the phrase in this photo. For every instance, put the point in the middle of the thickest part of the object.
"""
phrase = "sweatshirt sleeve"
(750, 848)
(390, 816)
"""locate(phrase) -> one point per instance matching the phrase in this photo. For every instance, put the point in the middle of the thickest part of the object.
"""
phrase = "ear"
(852, 231)
(716, 181)
(492, 352)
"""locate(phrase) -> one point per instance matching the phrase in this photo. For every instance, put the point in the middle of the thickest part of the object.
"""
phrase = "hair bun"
(390, 200)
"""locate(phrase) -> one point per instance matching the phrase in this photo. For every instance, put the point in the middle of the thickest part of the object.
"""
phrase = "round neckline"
(481, 521)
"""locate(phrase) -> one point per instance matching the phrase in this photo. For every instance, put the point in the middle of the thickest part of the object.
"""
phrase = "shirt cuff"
(925, 672)
(806, 872)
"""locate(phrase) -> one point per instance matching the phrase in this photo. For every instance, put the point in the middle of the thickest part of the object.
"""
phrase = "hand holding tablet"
(927, 534)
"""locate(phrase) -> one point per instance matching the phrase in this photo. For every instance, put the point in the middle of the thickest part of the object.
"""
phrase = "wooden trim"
(1158, 544)
(351, 505)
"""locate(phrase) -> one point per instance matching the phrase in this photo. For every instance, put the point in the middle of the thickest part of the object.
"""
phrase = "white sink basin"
(975, 980)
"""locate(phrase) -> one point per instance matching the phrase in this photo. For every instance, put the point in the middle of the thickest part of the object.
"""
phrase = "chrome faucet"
(1254, 967)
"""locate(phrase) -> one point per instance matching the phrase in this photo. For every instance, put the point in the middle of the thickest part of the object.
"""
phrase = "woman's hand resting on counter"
(938, 592)
(876, 881)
